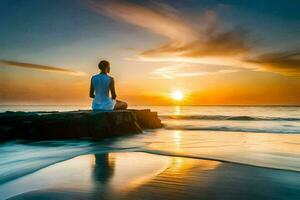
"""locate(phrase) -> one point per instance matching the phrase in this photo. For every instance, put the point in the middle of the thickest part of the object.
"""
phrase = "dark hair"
(103, 64)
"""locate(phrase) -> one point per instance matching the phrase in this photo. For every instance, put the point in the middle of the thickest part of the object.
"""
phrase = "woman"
(101, 84)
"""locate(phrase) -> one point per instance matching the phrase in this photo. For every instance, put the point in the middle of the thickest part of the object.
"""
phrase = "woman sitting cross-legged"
(101, 84)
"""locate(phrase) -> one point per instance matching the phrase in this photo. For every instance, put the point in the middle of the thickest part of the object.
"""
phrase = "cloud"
(211, 42)
(200, 40)
(286, 62)
(187, 70)
(161, 19)
(41, 67)
(186, 42)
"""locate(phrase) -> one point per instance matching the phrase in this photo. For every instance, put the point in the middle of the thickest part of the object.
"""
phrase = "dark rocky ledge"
(75, 124)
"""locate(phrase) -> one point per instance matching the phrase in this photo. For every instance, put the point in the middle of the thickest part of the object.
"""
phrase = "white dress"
(102, 101)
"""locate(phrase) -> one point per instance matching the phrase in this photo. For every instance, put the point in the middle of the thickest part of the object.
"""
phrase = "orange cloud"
(157, 19)
(205, 42)
(185, 41)
(287, 62)
(187, 70)
(42, 67)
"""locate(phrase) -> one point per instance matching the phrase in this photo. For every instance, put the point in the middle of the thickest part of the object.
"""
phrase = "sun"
(177, 95)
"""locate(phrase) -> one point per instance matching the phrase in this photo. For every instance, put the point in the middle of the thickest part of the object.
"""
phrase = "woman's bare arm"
(112, 89)
(92, 95)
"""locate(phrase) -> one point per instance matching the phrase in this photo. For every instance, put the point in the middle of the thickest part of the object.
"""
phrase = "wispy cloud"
(186, 70)
(207, 41)
(286, 62)
(201, 40)
(41, 67)
(186, 42)
(159, 19)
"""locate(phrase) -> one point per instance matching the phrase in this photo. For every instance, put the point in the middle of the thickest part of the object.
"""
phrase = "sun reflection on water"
(177, 110)
(177, 139)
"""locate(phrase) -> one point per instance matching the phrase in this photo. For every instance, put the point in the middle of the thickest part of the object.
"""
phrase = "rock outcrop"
(75, 124)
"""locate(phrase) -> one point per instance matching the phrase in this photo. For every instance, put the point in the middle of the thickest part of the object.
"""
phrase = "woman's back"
(101, 84)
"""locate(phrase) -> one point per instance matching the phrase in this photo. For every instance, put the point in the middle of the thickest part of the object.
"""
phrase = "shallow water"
(147, 176)
(257, 136)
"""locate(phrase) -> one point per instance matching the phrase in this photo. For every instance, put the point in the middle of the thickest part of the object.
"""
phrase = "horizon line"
(287, 105)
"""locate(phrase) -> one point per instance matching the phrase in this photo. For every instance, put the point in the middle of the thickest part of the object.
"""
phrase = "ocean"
(266, 137)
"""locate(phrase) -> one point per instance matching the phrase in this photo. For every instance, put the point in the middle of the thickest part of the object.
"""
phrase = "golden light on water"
(177, 95)
(177, 110)
(177, 139)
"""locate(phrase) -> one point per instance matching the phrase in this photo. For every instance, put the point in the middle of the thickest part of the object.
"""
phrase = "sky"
(216, 52)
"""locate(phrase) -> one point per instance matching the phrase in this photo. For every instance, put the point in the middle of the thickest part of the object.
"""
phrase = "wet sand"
(145, 176)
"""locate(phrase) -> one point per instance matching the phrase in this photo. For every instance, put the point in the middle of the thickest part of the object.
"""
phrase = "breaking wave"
(224, 117)
(290, 130)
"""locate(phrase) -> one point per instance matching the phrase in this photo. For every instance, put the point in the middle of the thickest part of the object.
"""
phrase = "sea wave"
(226, 117)
(223, 159)
(20, 158)
(24, 159)
(295, 130)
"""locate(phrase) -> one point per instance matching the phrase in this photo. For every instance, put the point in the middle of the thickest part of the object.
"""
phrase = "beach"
(149, 100)
(146, 176)
(201, 153)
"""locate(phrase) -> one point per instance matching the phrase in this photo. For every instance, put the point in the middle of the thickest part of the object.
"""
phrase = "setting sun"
(177, 95)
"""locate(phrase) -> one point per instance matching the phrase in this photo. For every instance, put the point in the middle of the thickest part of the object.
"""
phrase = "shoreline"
(132, 175)
(163, 163)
